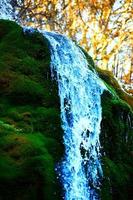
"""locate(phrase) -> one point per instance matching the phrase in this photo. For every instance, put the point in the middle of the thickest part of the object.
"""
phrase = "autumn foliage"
(103, 27)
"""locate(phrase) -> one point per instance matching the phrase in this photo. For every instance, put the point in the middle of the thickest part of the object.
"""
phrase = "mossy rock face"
(113, 84)
(6, 27)
(116, 140)
(30, 128)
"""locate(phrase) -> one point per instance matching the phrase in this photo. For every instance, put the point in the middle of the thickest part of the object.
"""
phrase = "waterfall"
(80, 92)
(6, 10)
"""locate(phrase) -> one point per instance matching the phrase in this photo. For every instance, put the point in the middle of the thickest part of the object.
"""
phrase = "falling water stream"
(6, 10)
(80, 92)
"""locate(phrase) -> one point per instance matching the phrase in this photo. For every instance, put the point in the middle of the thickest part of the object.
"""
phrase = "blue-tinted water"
(6, 10)
(80, 92)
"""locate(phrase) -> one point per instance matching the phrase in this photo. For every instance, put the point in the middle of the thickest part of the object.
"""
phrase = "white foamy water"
(80, 92)
(6, 10)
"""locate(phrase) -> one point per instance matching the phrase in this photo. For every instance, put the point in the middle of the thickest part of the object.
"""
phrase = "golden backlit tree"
(103, 27)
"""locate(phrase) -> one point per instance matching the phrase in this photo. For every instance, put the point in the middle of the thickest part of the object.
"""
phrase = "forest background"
(103, 27)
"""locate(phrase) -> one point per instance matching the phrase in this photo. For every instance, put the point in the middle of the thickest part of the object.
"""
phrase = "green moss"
(116, 171)
(117, 140)
(89, 59)
(48, 122)
(23, 90)
(116, 176)
(114, 86)
(6, 27)
(28, 66)
(29, 114)
(8, 169)
(27, 156)
(6, 128)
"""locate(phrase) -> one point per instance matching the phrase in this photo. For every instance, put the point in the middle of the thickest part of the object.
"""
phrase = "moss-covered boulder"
(30, 128)
(116, 140)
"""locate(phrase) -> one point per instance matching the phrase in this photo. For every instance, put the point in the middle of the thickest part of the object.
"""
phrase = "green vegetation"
(117, 140)
(113, 85)
(30, 128)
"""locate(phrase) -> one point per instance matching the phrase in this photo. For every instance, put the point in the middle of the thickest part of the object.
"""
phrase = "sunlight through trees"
(103, 27)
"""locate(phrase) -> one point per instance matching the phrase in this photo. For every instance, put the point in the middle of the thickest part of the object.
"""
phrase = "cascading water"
(80, 92)
(6, 10)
